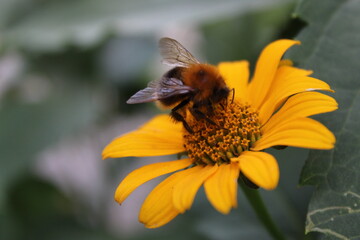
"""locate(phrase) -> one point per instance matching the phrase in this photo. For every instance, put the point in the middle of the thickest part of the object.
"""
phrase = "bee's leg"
(200, 115)
(181, 104)
(222, 105)
(227, 99)
(194, 110)
(209, 108)
(180, 118)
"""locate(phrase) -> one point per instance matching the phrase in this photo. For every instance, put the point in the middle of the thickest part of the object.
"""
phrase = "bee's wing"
(160, 89)
(174, 54)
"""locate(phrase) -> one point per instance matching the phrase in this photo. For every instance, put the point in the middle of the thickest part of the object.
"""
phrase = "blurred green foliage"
(74, 65)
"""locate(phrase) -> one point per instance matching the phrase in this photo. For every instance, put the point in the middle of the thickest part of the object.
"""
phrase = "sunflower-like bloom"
(270, 110)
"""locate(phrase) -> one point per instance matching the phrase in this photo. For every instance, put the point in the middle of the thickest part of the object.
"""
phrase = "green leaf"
(331, 47)
(55, 24)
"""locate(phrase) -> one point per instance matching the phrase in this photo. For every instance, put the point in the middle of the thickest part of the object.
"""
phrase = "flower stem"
(258, 205)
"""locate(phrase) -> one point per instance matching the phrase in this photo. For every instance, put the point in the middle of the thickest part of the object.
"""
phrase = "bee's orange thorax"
(204, 78)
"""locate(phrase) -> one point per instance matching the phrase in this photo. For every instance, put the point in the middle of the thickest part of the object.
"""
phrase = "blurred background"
(66, 71)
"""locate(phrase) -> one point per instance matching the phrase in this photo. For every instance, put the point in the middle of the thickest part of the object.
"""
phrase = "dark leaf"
(331, 47)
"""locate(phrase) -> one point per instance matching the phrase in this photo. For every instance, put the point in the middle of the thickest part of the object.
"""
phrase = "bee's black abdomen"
(172, 100)
(176, 72)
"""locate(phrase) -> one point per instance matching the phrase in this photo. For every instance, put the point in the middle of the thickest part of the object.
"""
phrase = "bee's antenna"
(233, 96)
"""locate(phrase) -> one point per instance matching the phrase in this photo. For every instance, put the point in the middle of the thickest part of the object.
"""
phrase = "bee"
(190, 85)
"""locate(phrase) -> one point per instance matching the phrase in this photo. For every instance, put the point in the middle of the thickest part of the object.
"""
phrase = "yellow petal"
(260, 167)
(299, 132)
(186, 189)
(160, 136)
(302, 105)
(265, 70)
(221, 187)
(285, 90)
(158, 208)
(283, 75)
(285, 72)
(236, 75)
(286, 62)
(146, 173)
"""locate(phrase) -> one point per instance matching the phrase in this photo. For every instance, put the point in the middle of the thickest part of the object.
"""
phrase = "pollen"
(231, 129)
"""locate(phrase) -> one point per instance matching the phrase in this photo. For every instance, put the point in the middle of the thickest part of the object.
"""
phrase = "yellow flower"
(270, 110)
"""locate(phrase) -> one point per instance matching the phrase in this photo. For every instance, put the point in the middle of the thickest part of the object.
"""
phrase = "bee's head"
(220, 94)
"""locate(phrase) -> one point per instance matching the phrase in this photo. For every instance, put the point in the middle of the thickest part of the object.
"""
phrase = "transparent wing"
(174, 54)
(160, 89)
(145, 95)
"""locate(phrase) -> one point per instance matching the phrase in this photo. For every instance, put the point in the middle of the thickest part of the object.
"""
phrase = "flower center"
(230, 130)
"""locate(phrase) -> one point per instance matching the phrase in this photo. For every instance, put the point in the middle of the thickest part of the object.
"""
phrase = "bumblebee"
(190, 86)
